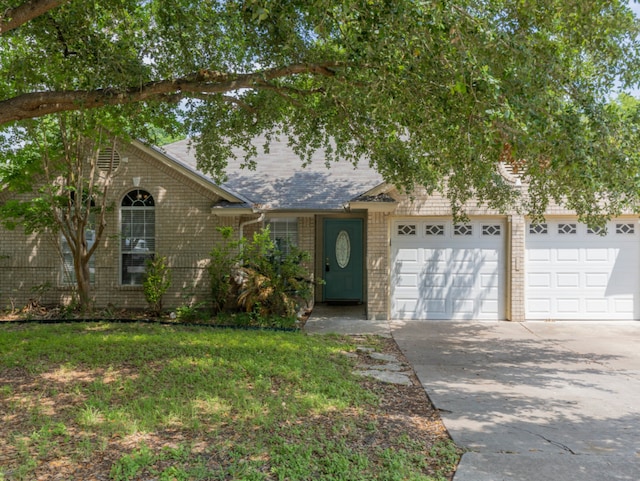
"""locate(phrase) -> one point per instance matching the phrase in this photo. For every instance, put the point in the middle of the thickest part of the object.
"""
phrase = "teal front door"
(343, 260)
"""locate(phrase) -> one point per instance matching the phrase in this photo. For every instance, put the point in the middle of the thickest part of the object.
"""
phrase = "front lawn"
(142, 401)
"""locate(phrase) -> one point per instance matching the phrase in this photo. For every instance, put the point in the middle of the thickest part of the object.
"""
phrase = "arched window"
(137, 235)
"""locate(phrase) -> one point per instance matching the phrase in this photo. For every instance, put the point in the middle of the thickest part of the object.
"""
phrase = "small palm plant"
(274, 282)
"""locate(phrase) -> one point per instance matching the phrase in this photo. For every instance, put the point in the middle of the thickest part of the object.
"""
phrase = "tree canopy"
(433, 93)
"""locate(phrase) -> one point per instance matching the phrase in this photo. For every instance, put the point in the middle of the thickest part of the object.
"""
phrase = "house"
(402, 257)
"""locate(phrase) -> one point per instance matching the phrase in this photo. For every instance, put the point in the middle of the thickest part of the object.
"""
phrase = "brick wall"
(422, 204)
(377, 265)
(516, 267)
(185, 233)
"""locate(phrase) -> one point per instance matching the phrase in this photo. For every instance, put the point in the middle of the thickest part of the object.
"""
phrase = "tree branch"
(36, 104)
(240, 103)
(12, 18)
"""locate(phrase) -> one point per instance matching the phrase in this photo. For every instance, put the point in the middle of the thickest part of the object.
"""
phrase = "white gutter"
(252, 221)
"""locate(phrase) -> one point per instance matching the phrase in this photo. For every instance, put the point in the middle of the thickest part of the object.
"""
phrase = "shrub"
(156, 282)
(274, 282)
(223, 258)
(191, 312)
(267, 281)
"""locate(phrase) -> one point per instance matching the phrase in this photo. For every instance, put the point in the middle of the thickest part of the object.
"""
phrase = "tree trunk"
(83, 280)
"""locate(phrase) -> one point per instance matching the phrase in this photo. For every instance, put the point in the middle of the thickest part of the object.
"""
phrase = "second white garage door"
(572, 272)
(441, 270)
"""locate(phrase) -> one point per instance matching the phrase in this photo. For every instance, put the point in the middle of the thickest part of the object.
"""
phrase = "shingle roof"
(280, 182)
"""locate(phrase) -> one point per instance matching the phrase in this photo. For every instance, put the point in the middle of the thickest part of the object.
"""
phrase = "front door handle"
(327, 266)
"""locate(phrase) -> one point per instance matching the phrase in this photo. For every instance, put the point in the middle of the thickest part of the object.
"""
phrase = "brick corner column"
(517, 266)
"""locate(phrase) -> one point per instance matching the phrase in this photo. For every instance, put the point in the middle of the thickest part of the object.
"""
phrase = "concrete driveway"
(533, 401)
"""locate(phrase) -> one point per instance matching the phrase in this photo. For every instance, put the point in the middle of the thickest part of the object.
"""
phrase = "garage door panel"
(570, 305)
(596, 280)
(405, 308)
(539, 305)
(405, 267)
(407, 255)
(489, 307)
(407, 280)
(438, 306)
(473, 256)
(434, 280)
(624, 305)
(539, 279)
(473, 267)
(568, 279)
(538, 255)
(490, 256)
(464, 306)
(489, 280)
(406, 292)
(463, 280)
(591, 276)
(436, 255)
(567, 255)
(463, 256)
(597, 305)
(434, 268)
(598, 255)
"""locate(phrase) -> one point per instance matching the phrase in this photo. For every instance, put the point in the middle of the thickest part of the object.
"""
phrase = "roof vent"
(509, 172)
(509, 167)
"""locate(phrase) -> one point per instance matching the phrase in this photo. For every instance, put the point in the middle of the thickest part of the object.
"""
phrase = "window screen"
(284, 233)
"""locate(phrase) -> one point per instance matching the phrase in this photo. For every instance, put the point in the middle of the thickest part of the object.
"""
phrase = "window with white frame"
(137, 235)
(68, 268)
(283, 233)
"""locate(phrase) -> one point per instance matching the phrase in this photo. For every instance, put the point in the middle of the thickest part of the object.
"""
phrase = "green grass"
(189, 403)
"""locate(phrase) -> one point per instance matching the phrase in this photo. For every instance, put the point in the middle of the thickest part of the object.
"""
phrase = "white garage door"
(572, 272)
(446, 271)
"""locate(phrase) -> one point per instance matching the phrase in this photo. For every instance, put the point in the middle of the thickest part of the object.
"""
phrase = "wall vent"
(108, 160)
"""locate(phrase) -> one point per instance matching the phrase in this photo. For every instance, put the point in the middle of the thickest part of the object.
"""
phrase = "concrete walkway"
(349, 320)
(529, 401)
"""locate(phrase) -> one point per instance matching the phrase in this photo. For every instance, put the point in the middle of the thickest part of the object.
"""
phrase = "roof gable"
(190, 172)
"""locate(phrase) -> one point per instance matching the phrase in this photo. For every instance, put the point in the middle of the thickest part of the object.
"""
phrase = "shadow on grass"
(112, 398)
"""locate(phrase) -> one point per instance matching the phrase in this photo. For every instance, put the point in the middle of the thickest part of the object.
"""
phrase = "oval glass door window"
(343, 249)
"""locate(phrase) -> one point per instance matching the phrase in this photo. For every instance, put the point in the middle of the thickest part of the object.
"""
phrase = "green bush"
(274, 282)
(260, 278)
(156, 282)
(223, 258)
(191, 312)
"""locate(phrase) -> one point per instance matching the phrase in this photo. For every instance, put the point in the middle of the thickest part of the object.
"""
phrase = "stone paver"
(391, 371)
